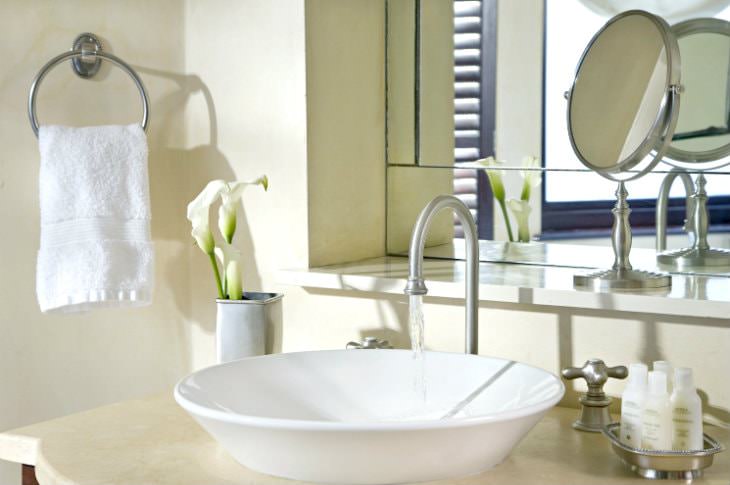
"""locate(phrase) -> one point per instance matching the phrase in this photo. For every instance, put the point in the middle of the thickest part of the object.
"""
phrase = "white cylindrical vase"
(242, 326)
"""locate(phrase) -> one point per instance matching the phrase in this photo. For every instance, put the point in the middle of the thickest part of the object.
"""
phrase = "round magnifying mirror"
(702, 137)
(623, 105)
(622, 110)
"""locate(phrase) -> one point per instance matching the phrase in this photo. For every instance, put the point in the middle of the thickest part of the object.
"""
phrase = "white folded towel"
(95, 246)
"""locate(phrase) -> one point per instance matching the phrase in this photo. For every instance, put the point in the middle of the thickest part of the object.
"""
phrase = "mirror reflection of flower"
(230, 286)
(520, 208)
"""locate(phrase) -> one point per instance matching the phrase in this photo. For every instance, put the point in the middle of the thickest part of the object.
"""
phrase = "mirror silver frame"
(700, 254)
(651, 150)
(721, 155)
(662, 129)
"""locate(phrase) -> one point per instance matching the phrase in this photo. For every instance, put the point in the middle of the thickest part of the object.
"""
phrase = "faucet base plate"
(622, 279)
(690, 258)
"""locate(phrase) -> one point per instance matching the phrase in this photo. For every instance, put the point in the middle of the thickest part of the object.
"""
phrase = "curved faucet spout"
(663, 201)
(416, 284)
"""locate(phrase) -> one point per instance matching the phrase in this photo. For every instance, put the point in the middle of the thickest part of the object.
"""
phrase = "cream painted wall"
(436, 85)
(345, 44)
(409, 190)
(401, 77)
(55, 365)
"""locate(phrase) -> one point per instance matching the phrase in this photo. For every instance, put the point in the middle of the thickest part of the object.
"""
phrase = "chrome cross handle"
(596, 373)
(369, 343)
(594, 404)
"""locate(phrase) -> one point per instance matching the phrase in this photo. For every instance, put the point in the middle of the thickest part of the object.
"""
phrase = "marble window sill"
(699, 296)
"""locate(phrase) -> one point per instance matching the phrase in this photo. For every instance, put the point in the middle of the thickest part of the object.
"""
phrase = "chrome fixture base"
(594, 414)
(621, 276)
(672, 465)
(689, 258)
(86, 66)
(369, 343)
(652, 474)
(613, 279)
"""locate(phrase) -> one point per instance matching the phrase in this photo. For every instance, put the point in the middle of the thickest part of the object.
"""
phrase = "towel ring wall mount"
(86, 55)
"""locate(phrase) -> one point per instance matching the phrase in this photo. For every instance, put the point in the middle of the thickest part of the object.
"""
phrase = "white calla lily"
(495, 176)
(230, 196)
(521, 210)
(230, 260)
(234, 280)
(531, 178)
(231, 286)
(199, 215)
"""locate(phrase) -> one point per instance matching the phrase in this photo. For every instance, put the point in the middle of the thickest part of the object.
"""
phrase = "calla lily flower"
(230, 260)
(531, 179)
(521, 210)
(199, 215)
(234, 281)
(495, 176)
(230, 196)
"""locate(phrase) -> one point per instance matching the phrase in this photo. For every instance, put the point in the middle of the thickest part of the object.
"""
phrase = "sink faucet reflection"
(663, 201)
(416, 284)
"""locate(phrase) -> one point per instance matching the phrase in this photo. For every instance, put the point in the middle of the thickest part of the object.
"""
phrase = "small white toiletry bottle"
(666, 367)
(657, 422)
(686, 412)
(632, 405)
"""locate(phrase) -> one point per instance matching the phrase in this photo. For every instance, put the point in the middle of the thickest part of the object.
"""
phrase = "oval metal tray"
(683, 465)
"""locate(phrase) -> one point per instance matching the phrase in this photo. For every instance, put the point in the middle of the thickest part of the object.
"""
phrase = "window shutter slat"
(467, 41)
(467, 105)
(467, 89)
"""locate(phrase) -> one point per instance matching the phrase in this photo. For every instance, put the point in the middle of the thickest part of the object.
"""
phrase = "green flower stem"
(503, 206)
(217, 274)
(525, 195)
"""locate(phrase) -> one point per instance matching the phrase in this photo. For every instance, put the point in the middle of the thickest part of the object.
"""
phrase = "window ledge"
(690, 296)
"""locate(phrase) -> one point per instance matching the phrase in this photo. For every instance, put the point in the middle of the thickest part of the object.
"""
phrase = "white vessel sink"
(360, 417)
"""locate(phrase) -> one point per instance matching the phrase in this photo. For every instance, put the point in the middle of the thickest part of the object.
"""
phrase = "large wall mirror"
(461, 89)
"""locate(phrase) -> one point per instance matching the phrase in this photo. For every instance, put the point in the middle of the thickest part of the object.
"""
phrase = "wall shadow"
(387, 307)
(177, 175)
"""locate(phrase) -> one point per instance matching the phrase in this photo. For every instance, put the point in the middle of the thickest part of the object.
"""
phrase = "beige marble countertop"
(153, 441)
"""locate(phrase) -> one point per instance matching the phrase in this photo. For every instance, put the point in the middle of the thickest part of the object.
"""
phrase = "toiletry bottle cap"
(637, 374)
(657, 382)
(664, 366)
(683, 378)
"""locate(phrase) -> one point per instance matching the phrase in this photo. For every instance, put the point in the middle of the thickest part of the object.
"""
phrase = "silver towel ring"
(78, 53)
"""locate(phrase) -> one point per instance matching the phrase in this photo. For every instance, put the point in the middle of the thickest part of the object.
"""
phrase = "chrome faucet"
(699, 253)
(416, 284)
(663, 201)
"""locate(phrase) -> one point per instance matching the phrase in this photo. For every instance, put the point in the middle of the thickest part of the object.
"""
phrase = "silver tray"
(683, 465)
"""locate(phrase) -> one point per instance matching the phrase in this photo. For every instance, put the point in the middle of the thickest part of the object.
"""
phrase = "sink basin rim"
(320, 425)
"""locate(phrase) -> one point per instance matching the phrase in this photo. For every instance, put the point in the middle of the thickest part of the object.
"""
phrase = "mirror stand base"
(622, 279)
(693, 258)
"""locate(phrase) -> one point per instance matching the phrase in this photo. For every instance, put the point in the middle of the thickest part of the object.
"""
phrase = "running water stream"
(415, 319)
